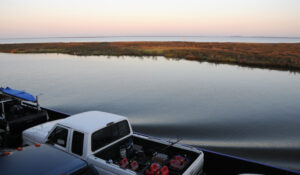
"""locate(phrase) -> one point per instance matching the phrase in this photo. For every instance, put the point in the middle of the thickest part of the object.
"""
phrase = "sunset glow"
(43, 18)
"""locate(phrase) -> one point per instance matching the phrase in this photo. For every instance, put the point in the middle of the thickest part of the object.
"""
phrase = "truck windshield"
(109, 134)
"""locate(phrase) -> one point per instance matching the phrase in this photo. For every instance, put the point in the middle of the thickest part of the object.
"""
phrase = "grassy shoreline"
(285, 56)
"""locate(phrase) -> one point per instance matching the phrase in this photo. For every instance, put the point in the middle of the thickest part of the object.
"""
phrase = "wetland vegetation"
(284, 56)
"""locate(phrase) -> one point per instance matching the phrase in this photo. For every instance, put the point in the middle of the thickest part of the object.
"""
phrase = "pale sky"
(67, 18)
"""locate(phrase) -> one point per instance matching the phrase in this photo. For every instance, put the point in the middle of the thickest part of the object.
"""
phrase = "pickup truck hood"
(38, 134)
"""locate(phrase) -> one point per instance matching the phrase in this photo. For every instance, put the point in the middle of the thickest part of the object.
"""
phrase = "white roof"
(91, 121)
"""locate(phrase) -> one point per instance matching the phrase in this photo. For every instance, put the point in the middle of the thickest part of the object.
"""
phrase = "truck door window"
(77, 143)
(58, 136)
(109, 134)
(88, 170)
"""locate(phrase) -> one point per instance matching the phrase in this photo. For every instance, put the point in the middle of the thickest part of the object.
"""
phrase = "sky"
(87, 18)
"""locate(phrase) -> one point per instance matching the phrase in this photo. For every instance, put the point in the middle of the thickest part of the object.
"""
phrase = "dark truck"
(43, 160)
(19, 110)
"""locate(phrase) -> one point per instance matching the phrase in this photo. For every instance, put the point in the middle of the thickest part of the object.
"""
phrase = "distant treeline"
(280, 56)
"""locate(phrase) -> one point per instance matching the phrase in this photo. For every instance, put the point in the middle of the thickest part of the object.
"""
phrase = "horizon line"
(232, 36)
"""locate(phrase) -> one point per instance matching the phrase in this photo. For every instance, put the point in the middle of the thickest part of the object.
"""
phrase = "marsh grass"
(279, 56)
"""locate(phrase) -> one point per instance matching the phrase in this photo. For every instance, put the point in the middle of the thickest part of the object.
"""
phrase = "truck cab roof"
(89, 122)
(41, 160)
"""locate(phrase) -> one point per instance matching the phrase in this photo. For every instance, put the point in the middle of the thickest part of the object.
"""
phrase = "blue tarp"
(18, 94)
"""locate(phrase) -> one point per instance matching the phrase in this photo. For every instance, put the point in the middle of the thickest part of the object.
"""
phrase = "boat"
(19, 111)
(215, 163)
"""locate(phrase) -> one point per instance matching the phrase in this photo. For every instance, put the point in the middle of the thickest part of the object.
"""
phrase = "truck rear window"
(109, 134)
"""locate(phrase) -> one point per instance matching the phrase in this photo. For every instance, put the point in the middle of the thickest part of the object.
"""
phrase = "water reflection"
(242, 111)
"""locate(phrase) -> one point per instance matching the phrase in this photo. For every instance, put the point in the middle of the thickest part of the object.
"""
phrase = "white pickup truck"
(108, 142)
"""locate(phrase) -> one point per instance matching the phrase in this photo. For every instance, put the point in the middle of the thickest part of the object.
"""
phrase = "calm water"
(155, 38)
(253, 113)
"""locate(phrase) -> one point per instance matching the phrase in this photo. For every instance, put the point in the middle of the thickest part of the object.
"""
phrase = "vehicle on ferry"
(108, 142)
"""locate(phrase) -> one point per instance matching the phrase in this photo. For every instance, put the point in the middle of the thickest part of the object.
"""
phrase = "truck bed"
(144, 151)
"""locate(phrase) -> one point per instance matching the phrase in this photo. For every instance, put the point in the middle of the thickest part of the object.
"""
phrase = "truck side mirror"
(60, 142)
